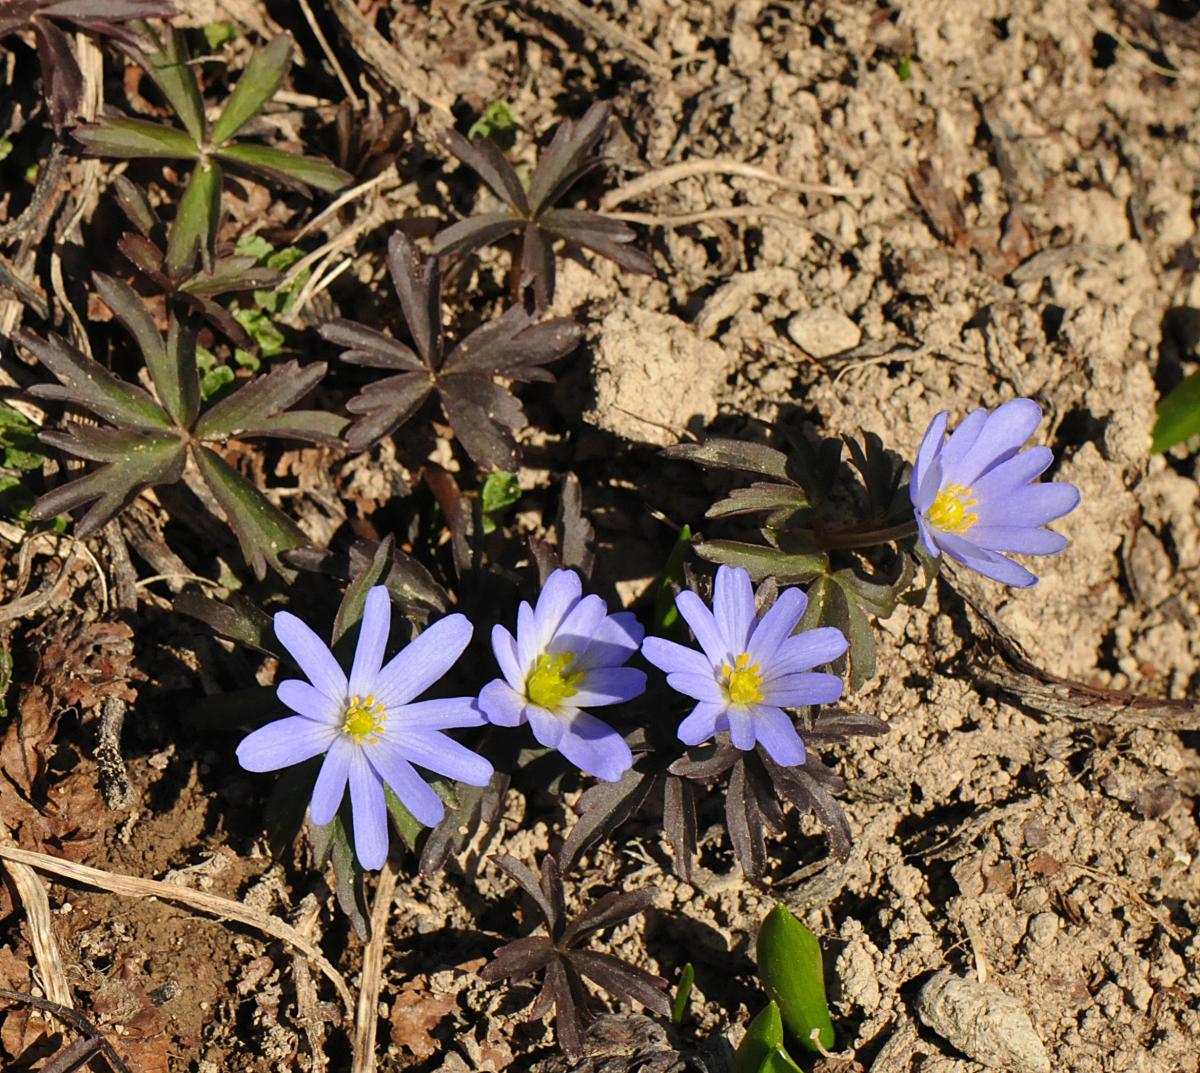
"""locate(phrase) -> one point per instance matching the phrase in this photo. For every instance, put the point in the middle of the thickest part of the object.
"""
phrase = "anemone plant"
(209, 146)
(146, 441)
(535, 212)
(483, 413)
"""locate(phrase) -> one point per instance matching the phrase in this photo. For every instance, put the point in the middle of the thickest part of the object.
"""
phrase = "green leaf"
(136, 138)
(764, 1036)
(258, 399)
(408, 827)
(262, 330)
(760, 561)
(87, 383)
(259, 82)
(263, 531)
(666, 614)
(172, 364)
(350, 610)
(779, 1062)
(254, 246)
(497, 116)
(760, 496)
(683, 992)
(500, 491)
(332, 842)
(238, 619)
(734, 454)
(287, 167)
(216, 378)
(217, 34)
(19, 447)
(1178, 415)
(16, 501)
(168, 65)
(791, 969)
(194, 229)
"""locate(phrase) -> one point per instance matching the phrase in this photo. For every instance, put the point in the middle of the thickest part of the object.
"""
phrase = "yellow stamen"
(743, 681)
(550, 683)
(949, 510)
(364, 719)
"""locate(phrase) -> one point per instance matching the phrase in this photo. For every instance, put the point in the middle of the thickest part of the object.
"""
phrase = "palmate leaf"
(195, 227)
(291, 169)
(259, 400)
(168, 64)
(566, 160)
(483, 413)
(122, 136)
(560, 956)
(258, 83)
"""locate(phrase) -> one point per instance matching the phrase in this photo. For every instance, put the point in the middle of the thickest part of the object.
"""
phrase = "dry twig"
(372, 973)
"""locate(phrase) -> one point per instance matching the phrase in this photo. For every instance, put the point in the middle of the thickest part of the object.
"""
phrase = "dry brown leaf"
(415, 1013)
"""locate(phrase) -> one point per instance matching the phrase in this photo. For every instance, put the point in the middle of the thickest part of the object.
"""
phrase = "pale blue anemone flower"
(749, 668)
(369, 726)
(568, 656)
(976, 494)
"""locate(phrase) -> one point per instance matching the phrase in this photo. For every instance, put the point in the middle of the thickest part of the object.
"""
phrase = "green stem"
(865, 538)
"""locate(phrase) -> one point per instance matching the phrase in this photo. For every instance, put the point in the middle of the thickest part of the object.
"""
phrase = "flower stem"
(865, 538)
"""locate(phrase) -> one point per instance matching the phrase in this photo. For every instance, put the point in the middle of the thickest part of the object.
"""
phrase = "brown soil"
(1014, 212)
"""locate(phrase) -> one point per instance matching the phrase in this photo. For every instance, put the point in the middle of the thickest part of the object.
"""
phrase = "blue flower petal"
(330, 786)
(441, 713)
(414, 792)
(311, 654)
(928, 537)
(1004, 432)
(741, 727)
(702, 723)
(802, 689)
(614, 641)
(558, 596)
(931, 446)
(776, 733)
(502, 705)
(776, 626)
(962, 439)
(697, 686)
(439, 753)
(697, 615)
(504, 648)
(528, 648)
(595, 748)
(548, 727)
(369, 812)
(924, 496)
(1021, 539)
(675, 658)
(1009, 476)
(575, 631)
(733, 607)
(985, 562)
(1033, 505)
(807, 650)
(609, 685)
(283, 743)
(426, 659)
(372, 640)
(310, 702)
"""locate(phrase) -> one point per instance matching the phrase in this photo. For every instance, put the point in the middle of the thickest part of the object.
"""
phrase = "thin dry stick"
(308, 1011)
(353, 194)
(224, 908)
(621, 40)
(41, 935)
(377, 51)
(372, 973)
(733, 212)
(319, 34)
(643, 184)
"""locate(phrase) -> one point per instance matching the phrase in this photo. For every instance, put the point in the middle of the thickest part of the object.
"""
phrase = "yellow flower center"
(550, 682)
(364, 719)
(743, 681)
(949, 510)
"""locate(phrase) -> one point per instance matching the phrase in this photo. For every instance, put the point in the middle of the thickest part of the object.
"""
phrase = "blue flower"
(974, 494)
(568, 655)
(369, 727)
(750, 668)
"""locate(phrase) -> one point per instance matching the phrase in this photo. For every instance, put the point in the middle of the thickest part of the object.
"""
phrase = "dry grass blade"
(41, 935)
(372, 974)
(643, 184)
(224, 908)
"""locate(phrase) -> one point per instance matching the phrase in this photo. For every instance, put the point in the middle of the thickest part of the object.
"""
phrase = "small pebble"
(823, 332)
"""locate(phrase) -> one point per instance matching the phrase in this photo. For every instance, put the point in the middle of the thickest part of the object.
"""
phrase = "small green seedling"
(665, 612)
(762, 1039)
(500, 491)
(683, 992)
(789, 965)
(1178, 416)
